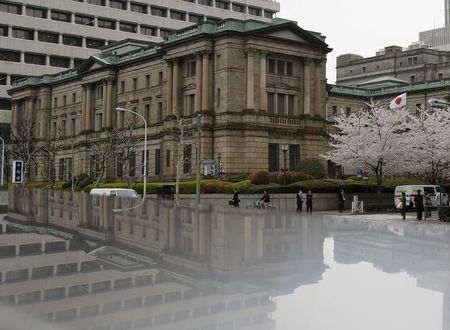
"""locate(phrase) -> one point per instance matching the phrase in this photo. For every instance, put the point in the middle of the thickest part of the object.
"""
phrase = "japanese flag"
(398, 102)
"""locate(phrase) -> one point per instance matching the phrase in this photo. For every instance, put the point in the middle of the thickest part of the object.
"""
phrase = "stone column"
(88, 108)
(176, 79)
(307, 87)
(205, 82)
(103, 124)
(169, 87)
(250, 79)
(262, 82)
(83, 108)
(109, 111)
(317, 87)
(198, 84)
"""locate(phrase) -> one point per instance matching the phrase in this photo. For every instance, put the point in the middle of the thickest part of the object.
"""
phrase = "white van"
(411, 191)
(115, 192)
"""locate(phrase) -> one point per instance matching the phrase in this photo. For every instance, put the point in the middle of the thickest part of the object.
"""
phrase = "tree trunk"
(379, 175)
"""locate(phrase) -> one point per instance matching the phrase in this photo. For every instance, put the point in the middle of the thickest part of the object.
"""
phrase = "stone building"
(255, 85)
(413, 65)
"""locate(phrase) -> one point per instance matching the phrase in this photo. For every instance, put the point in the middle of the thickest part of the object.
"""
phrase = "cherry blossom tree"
(427, 145)
(370, 138)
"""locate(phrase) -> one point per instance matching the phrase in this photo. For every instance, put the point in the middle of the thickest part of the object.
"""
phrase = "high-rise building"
(48, 36)
(447, 12)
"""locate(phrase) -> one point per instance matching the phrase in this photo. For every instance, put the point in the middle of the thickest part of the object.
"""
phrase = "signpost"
(17, 171)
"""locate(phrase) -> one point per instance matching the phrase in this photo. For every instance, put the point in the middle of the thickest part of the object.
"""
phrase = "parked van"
(411, 191)
(115, 192)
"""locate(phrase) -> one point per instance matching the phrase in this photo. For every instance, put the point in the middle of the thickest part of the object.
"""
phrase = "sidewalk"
(385, 216)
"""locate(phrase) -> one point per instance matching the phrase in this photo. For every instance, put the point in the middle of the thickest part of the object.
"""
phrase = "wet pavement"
(228, 269)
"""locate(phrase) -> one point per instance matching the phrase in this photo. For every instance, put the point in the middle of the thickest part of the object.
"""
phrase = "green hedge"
(444, 214)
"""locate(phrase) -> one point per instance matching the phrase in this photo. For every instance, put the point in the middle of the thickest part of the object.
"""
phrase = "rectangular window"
(64, 104)
(271, 65)
(134, 84)
(61, 169)
(222, 4)
(195, 18)
(157, 162)
(271, 103)
(99, 92)
(48, 37)
(205, 2)
(190, 69)
(149, 30)
(118, 4)
(280, 104)
(160, 77)
(177, 15)
(138, 8)
(61, 62)
(413, 79)
(291, 105)
(73, 126)
(254, 11)
(164, 32)
(3, 77)
(119, 165)
(294, 156)
(11, 8)
(268, 14)
(147, 81)
(122, 87)
(23, 33)
(364, 69)
(156, 11)
(273, 157)
(289, 69)
(187, 159)
(72, 40)
(239, 8)
(34, 59)
(440, 76)
(106, 23)
(190, 104)
(334, 110)
(160, 111)
(280, 67)
(60, 16)
(348, 111)
(147, 113)
(9, 55)
(128, 27)
(3, 30)
(96, 2)
(168, 158)
(94, 43)
(84, 20)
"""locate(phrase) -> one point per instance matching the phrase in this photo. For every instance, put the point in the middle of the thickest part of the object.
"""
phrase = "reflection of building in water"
(422, 251)
(77, 290)
(223, 263)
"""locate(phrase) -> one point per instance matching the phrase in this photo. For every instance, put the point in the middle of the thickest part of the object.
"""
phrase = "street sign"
(17, 171)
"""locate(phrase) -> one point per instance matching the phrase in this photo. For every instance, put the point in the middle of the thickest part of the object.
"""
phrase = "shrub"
(218, 187)
(238, 178)
(86, 181)
(260, 177)
(292, 177)
(242, 186)
(444, 214)
(274, 177)
(67, 184)
(313, 167)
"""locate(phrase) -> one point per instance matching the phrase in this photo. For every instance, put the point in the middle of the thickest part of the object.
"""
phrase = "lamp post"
(284, 148)
(144, 192)
(3, 161)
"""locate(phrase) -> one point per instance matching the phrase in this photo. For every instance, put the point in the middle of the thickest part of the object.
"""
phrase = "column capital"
(250, 51)
(263, 52)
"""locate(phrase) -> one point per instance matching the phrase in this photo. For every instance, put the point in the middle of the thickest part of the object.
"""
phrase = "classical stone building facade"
(255, 85)
(413, 65)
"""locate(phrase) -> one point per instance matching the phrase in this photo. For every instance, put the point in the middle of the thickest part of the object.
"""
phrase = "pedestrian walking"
(309, 202)
(418, 202)
(235, 200)
(439, 199)
(428, 205)
(299, 201)
(341, 201)
(265, 200)
(403, 205)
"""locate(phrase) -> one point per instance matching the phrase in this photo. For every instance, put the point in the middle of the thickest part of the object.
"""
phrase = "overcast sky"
(364, 26)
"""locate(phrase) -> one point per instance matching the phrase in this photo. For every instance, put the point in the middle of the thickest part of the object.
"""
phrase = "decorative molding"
(189, 86)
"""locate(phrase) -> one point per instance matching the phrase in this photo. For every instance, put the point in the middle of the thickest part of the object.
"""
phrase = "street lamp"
(144, 192)
(284, 148)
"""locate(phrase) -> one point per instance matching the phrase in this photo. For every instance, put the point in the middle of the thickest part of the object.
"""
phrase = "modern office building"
(257, 86)
(48, 36)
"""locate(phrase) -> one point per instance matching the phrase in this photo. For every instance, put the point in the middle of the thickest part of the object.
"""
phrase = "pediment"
(288, 35)
(93, 63)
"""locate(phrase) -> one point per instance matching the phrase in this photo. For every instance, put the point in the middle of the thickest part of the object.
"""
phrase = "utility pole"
(197, 174)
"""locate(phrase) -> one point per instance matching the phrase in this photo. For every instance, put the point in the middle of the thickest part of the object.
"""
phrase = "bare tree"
(49, 149)
(180, 135)
(127, 143)
(25, 145)
(102, 155)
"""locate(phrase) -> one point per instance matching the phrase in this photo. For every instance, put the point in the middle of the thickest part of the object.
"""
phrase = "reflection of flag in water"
(397, 230)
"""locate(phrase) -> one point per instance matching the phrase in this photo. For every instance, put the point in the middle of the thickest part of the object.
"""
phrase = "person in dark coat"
(341, 201)
(309, 202)
(418, 202)
(299, 201)
(236, 199)
(265, 200)
(403, 208)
